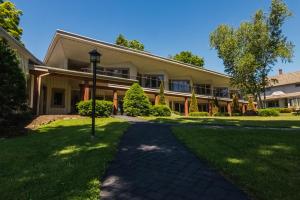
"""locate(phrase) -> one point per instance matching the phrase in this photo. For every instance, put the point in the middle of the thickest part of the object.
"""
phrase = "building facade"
(284, 90)
(64, 78)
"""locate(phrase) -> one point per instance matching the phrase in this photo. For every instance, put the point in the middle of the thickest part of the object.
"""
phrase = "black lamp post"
(94, 59)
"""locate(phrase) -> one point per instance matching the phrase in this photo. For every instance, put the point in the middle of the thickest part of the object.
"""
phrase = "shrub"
(268, 112)
(194, 103)
(198, 114)
(236, 114)
(160, 110)
(136, 103)
(285, 110)
(102, 108)
(221, 114)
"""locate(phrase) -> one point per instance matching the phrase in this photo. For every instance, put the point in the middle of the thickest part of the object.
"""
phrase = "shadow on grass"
(265, 162)
(233, 121)
(58, 161)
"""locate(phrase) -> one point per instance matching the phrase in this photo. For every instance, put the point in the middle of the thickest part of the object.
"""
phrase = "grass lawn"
(59, 160)
(266, 163)
(282, 121)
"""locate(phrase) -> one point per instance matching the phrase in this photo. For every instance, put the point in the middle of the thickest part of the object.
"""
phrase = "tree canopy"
(189, 58)
(133, 44)
(10, 19)
(250, 51)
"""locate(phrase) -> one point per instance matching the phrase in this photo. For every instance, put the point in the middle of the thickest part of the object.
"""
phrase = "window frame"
(56, 90)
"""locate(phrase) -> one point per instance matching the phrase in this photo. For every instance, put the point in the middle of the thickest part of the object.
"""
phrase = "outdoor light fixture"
(94, 59)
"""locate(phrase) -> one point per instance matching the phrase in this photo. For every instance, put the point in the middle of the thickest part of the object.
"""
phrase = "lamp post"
(94, 59)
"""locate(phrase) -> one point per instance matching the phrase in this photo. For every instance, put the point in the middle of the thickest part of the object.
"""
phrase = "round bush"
(102, 108)
(161, 110)
(198, 114)
(267, 112)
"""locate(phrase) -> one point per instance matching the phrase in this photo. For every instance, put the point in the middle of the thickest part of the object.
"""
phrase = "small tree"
(215, 104)
(194, 103)
(12, 81)
(136, 103)
(121, 40)
(250, 106)
(162, 100)
(189, 58)
(235, 104)
(133, 44)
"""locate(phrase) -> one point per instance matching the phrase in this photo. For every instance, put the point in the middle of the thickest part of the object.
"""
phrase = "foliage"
(250, 51)
(161, 110)
(215, 106)
(133, 44)
(102, 108)
(194, 103)
(268, 112)
(250, 105)
(176, 113)
(198, 114)
(189, 58)
(136, 103)
(235, 104)
(162, 100)
(10, 19)
(52, 157)
(220, 114)
(284, 110)
(12, 82)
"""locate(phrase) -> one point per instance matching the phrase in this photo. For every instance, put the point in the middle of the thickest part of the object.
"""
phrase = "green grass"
(282, 121)
(59, 160)
(266, 163)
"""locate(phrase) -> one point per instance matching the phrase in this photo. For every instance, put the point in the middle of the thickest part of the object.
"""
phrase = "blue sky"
(165, 27)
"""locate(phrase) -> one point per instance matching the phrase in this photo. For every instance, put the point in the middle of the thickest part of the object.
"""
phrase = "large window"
(273, 104)
(179, 85)
(203, 89)
(221, 92)
(150, 81)
(58, 98)
(117, 72)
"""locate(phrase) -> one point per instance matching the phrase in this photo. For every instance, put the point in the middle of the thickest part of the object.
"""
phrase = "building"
(64, 77)
(284, 90)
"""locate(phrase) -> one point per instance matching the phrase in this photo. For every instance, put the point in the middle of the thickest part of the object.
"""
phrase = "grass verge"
(59, 160)
(266, 163)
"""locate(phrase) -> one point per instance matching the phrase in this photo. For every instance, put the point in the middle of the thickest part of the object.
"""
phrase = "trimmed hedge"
(103, 108)
(198, 114)
(267, 112)
(161, 110)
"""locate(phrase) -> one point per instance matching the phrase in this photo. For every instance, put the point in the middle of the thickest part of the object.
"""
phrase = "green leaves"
(133, 44)
(189, 58)
(10, 19)
(250, 51)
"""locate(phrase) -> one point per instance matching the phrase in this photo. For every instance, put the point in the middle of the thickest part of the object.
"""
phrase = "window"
(202, 89)
(58, 98)
(273, 104)
(151, 81)
(220, 92)
(179, 85)
(117, 72)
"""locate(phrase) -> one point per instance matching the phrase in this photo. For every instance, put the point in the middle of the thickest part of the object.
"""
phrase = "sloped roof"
(286, 78)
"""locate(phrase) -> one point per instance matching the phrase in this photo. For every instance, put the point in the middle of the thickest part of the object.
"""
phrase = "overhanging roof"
(65, 34)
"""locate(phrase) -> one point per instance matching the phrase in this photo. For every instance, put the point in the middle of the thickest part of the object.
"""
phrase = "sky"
(165, 27)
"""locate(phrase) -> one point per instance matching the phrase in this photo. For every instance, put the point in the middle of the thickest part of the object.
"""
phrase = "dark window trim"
(63, 97)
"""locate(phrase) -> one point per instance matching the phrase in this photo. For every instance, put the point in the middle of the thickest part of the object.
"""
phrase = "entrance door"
(75, 98)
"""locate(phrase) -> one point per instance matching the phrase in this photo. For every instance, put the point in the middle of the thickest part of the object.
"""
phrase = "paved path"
(152, 164)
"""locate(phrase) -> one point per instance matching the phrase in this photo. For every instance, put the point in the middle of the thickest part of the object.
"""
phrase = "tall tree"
(250, 51)
(10, 19)
(133, 44)
(12, 81)
(189, 58)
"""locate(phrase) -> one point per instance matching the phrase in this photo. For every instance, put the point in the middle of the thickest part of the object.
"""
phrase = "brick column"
(115, 101)
(186, 106)
(85, 96)
(35, 93)
(229, 108)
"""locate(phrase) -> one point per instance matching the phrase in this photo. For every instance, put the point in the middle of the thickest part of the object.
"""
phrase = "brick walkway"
(152, 164)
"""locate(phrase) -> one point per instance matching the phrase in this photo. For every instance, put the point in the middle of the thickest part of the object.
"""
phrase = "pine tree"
(194, 103)
(162, 100)
(250, 106)
(136, 102)
(235, 104)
